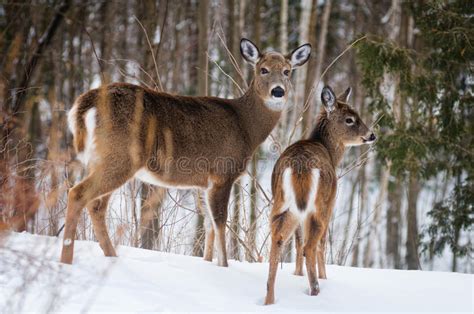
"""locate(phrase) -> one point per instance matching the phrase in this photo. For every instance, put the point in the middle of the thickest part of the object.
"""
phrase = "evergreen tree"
(434, 79)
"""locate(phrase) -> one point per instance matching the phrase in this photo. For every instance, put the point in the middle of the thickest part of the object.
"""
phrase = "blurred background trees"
(405, 202)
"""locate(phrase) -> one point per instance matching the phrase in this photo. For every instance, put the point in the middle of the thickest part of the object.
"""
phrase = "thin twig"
(160, 87)
(227, 75)
(242, 243)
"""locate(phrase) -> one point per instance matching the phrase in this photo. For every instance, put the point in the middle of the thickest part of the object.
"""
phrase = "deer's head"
(344, 122)
(272, 72)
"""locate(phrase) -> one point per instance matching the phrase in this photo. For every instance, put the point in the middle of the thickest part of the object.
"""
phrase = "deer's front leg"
(218, 199)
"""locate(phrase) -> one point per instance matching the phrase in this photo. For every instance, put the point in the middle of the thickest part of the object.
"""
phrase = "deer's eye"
(286, 72)
(349, 121)
(263, 71)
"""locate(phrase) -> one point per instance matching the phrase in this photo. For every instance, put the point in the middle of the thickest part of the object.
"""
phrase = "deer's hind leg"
(102, 180)
(209, 238)
(325, 207)
(313, 234)
(282, 227)
(299, 251)
(322, 256)
(97, 211)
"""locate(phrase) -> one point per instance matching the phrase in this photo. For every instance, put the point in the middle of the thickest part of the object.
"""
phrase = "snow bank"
(31, 279)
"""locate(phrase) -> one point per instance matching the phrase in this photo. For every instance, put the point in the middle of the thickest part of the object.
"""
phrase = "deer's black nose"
(278, 92)
(372, 137)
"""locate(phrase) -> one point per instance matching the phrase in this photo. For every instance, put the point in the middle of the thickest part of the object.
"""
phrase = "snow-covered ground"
(31, 279)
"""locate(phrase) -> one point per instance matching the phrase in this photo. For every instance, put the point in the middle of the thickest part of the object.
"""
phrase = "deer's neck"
(255, 117)
(323, 134)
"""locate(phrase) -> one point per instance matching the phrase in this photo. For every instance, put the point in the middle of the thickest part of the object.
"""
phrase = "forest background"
(404, 202)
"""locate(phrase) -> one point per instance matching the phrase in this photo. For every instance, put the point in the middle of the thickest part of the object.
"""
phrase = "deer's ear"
(249, 51)
(300, 55)
(328, 98)
(344, 97)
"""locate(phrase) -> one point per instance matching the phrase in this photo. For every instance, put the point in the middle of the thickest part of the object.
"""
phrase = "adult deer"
(123, 131)
(304, 184)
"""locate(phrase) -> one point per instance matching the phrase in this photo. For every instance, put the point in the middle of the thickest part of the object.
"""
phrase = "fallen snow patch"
(32, 279)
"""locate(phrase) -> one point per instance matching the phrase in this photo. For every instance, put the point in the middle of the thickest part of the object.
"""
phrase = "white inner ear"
(349, 94)
(300, 55)
(346, 98)
(250, 51)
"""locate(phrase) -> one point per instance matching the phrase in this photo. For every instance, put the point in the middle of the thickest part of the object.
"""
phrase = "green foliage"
(377, 57)
(436, 122)
(449, 219)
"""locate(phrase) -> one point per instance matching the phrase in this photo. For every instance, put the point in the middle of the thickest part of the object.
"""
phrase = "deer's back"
(162, 132)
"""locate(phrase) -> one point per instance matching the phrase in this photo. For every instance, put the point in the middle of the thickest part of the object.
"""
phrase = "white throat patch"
(275, 103)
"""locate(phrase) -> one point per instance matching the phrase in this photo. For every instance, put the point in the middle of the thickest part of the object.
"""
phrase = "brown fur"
(203, 142)
(323, 151)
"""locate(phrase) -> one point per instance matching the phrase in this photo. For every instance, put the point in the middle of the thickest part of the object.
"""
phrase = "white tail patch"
(88, 155)
(289, 194)
(72, 118)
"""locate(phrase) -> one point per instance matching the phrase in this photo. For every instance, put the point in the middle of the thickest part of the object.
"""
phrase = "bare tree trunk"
(191, 47)
(360, 213)
(310, 113)
(106, 39)
(283, 32)
(372, 234)
(343, 251)
(198, 243)
(284, 27)
(394, 225)
(150, 216)
(177, 62)
(235, 225)
(202, 50)
(252, 232)
(412, 260)
(304, 30)
(454, 266)
(310, 68)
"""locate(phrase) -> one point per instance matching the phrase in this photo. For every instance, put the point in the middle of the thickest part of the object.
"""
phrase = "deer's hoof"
(269, 300)
(315, 290)
(223, 264)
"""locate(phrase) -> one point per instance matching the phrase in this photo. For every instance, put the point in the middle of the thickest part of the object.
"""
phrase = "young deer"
(304, 183)
(123, 131)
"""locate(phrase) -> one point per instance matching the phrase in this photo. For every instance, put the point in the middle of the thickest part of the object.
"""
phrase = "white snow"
(142, 280)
